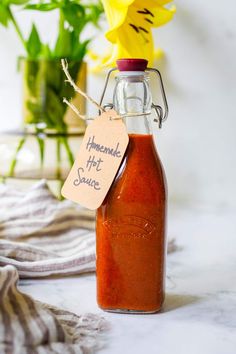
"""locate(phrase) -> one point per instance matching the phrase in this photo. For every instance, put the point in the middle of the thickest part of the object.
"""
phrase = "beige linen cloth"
(28, 326)
(43, 236)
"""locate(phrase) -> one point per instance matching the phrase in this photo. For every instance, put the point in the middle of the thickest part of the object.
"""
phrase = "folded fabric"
(42, 236)
(28, 326)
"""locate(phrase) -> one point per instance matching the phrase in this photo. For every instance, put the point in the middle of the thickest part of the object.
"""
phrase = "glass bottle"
(131, 222)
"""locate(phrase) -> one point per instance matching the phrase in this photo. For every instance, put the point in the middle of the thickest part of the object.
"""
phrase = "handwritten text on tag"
(98, 160)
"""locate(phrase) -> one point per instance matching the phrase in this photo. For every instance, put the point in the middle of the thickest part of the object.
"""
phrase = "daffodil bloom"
(131, 23)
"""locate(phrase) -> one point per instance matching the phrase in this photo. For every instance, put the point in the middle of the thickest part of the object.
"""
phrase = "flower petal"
(162, 15)
(134, 43)
(116, 12)
(155, 16)
(131, 23)
(152, 3)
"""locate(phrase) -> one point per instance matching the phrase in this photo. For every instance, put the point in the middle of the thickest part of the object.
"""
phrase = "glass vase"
(44, 88)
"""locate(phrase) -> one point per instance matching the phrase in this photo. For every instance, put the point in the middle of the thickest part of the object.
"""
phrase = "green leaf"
(33, 45)
(75, 16)
(79, 50)
(31, 69)
(46, 51)
(4, 15)
(55, 109)
(42, 6)
(63, 46)
(94, 12)
(54, 75)
(16, 2)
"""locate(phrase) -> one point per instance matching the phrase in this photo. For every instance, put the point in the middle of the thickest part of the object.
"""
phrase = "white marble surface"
(199, 316)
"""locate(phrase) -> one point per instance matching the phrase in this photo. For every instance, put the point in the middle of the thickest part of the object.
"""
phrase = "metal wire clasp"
(161, 112)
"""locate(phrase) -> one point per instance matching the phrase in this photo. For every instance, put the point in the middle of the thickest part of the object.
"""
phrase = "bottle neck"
(132, 95)
(138, 125)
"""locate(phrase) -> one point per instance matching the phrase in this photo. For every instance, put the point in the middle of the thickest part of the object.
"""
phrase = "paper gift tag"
(98, 160)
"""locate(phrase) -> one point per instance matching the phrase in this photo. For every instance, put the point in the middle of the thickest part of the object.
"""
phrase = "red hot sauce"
(131, 233)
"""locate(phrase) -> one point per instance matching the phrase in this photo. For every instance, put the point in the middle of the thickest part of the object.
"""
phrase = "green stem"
(41, 145)
(14, 160)
(60, 185)
(64, 141)
(61, 22)
(68, 150)
(17, 28)
(58, 158)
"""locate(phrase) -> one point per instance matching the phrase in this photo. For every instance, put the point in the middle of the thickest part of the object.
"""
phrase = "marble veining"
(199, 314)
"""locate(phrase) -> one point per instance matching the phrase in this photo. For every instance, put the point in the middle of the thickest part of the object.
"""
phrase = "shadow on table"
(174, 301)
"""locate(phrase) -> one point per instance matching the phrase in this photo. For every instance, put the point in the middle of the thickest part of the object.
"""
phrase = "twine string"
(75, 109)
(69, 79)
(64, 64)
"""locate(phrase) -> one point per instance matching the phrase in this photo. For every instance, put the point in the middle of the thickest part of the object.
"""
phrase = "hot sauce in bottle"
(131, 222)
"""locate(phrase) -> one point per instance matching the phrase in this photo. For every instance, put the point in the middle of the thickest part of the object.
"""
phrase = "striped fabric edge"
(31, 327)
(59, 266)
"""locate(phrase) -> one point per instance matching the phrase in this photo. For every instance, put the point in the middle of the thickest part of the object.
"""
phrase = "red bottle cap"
(132, 64)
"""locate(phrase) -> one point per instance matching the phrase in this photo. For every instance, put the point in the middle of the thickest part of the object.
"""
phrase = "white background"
(198, 143)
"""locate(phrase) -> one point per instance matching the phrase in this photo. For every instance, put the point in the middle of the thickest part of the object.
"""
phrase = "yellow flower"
(131, 23)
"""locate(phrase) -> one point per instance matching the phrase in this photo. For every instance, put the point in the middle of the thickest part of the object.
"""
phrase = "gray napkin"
(28, 326)
(43, 236)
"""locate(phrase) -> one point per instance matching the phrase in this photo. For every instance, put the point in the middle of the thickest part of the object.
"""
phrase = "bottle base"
(131, 312)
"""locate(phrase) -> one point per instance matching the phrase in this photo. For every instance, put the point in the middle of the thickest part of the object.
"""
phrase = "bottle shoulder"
(141, 177)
